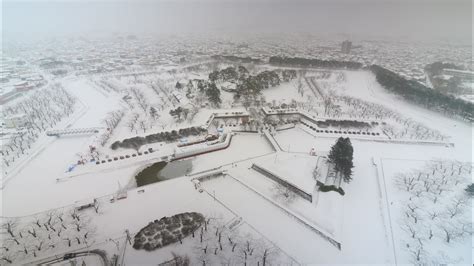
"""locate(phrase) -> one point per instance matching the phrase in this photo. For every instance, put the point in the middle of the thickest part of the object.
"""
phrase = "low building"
(15, 121)
(459, 73)
(23, 86)
(7, 94)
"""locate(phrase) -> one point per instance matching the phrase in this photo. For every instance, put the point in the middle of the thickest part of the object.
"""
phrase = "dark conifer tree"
(341, 155)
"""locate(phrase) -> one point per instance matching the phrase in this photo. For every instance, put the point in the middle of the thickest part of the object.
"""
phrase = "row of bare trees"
(335, 105)
(40, 111)
(46, 233)
(111, 121)
(109, 85)
(217, 243)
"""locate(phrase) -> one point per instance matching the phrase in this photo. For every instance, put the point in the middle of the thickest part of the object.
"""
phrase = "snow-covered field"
(365, 221)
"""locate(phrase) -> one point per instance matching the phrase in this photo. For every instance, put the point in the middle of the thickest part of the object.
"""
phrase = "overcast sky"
(419, 19)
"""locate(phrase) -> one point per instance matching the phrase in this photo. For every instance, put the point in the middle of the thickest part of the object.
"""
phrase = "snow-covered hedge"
(168, 136)
(167, 230)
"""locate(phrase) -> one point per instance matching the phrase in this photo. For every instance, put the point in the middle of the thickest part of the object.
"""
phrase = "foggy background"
(403, 19)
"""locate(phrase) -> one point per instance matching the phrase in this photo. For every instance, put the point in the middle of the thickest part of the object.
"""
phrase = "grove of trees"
(239, 59)
(167, 230)
(247, 86)
(214, 94)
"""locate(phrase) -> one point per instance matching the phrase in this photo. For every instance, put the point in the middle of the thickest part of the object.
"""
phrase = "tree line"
(415, 92)
(344, 123)
(234, 58)
(168, 136)
(306, 62)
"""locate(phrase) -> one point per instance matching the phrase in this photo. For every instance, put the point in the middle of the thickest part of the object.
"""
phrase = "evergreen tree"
(189, 87)
(214, 76)
(288, 74)
(202, 85)
(177, 112)
(153, 112)
(213, 94)
(470, 190)
(243, 72)
(229, 74)
(341, 155)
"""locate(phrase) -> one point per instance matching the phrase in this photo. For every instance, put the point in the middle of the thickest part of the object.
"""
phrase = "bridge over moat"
(73, 131)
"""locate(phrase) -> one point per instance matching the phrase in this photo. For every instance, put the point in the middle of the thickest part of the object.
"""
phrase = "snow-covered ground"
(35, 187)
(362, 220)
(429, 217)
(284, 93)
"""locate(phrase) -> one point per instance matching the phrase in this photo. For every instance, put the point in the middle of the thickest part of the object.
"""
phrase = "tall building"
(346, 47)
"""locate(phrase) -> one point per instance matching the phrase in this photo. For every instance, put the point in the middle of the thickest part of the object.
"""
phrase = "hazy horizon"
(413, 20)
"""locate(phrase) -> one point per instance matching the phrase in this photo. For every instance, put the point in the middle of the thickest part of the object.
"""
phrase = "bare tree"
(405, 181)
(457, 206)
(10, 226)
(96, 206)
(284, 192)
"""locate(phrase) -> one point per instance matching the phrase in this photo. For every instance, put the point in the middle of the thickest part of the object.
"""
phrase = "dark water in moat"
(161, 171)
